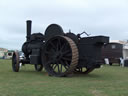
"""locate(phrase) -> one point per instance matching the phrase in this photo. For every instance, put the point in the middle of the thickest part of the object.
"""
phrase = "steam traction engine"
(60, 53)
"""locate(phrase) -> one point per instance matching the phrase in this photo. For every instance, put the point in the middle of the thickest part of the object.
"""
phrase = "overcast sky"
(97, 17)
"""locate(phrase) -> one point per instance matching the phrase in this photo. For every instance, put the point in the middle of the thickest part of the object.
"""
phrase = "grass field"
(106, 81)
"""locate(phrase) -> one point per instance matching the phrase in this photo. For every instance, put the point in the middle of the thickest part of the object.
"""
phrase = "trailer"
(115, 52)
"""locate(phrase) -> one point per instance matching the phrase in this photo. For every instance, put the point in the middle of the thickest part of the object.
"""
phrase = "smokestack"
(29, 22)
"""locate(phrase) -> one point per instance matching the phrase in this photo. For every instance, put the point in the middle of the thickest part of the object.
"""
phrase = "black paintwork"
(89, 48)
(90, 51)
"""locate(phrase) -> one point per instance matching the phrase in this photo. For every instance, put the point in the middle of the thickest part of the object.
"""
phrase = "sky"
(96, 17)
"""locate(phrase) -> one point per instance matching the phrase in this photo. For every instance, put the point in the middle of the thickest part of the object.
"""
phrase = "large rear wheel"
(60, 56)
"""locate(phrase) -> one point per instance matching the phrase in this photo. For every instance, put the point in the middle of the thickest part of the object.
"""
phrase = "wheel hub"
(58, 55)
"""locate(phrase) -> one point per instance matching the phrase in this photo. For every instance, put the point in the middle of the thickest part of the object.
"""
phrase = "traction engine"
(60, 53)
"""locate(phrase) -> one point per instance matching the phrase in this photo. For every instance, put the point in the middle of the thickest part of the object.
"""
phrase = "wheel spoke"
(66, 67)
(54, 66)
(59, 43)
(68, 55)
(62, 47)
(65, 58)
(65, 52)
(65, 47)
(61, 67)
(58, 67)
(62, 64)
(67, 64)
(51, 43)
(57, 47)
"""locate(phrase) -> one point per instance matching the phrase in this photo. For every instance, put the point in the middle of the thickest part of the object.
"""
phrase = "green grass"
(106, 81)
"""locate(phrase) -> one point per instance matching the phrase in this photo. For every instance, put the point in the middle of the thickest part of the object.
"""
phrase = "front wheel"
(15, 62)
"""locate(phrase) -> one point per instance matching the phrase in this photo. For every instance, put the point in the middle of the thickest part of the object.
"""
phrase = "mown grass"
(106, 81)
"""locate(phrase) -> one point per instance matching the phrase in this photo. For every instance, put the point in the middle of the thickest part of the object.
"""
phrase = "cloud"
(98, 17)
